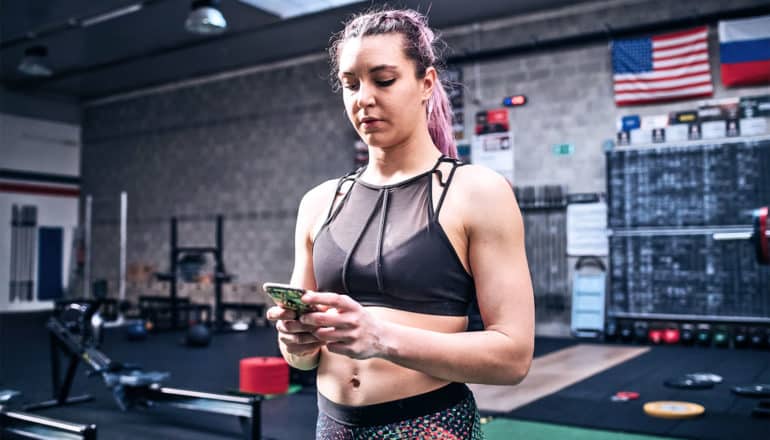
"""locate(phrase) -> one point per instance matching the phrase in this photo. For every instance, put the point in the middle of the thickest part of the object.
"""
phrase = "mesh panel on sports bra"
(382, 248)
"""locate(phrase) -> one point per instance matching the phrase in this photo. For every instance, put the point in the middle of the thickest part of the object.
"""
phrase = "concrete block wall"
(247, 147)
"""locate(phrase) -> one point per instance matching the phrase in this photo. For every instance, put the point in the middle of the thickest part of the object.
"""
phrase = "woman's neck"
(398, 162)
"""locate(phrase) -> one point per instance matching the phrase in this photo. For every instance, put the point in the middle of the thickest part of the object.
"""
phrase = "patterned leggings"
(456, 418)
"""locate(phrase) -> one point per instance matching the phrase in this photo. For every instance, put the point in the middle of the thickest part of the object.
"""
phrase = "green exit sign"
(563, 149)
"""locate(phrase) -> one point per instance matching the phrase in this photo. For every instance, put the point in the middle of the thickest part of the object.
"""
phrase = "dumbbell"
(741, 337)
(703, 335)
(641, 331)
(626, 332)
(721, 336)
(759, 337)
(610, 330)
(687, 334)
(655, 334)
(671, 335)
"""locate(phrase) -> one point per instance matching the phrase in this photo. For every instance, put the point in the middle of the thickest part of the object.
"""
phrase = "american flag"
(662, 68)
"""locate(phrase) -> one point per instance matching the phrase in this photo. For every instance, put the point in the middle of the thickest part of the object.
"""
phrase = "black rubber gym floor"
(728, 416)
(24, 366)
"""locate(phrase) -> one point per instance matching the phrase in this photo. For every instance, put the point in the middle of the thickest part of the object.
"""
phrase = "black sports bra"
(383, 246)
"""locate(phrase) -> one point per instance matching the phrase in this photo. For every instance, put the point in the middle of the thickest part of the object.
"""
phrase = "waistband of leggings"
(395, 410)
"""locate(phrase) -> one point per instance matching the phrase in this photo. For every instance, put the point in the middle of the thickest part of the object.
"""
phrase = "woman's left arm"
(502, 352)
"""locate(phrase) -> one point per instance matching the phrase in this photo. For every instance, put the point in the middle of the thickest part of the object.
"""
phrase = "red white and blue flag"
(744, 51)
(665, 67)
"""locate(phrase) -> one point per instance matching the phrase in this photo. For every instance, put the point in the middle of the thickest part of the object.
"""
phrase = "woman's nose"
(366, 95)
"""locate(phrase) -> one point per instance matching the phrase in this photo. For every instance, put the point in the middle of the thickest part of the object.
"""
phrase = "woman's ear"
(429, 82)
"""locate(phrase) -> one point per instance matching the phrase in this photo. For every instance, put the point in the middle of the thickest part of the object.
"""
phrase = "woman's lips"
(370, 123)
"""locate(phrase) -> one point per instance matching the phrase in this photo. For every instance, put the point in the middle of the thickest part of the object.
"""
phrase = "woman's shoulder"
(487, 200)
(321, 196)
(315, 197)
(480, 183)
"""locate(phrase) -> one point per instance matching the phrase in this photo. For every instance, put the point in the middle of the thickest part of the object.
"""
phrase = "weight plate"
(755, 390)
(687, 383)
(673, 410)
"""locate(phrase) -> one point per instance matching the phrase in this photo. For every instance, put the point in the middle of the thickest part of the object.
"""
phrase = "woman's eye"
(386, 83)
(350, 86)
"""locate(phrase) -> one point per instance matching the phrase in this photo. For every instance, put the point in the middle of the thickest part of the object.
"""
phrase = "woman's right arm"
(299, 347)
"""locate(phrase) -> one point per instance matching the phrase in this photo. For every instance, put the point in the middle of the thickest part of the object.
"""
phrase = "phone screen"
(288, 297)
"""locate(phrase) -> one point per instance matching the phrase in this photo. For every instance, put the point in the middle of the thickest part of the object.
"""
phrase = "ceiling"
(151, 47)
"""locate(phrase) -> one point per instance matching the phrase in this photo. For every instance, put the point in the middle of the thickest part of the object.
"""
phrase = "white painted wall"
(39, 146)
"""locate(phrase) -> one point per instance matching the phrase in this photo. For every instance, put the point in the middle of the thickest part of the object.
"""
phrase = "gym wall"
(248, 145)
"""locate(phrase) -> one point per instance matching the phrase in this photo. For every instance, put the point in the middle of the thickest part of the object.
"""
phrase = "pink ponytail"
(440, 121)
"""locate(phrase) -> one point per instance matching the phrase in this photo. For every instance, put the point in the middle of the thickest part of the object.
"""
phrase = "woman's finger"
(276, 313)
(329, 318)
(332, 300)
(303, 349)
(293, 326)
(297, 338)
(331, 334)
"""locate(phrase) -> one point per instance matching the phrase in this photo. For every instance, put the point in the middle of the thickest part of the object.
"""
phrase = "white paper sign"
(587, 229)
(495, 151)
(753, 126)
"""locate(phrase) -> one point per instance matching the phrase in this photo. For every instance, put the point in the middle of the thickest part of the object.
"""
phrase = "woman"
(393, 254)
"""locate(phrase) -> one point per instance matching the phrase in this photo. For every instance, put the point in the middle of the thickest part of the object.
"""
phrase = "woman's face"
(384, 99)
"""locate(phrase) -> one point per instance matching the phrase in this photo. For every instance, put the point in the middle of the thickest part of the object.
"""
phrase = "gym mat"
(506, 429)
(588, 403)
(553, 372)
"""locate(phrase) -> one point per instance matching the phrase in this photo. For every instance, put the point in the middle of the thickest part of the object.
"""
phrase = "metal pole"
(219, 273)
(87, 233)
(172, 268)
(123, 232)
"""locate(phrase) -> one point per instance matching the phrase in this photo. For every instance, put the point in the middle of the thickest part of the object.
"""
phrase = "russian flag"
(744, 51)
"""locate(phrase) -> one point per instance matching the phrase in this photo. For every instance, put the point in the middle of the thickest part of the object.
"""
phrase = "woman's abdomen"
(364, 382)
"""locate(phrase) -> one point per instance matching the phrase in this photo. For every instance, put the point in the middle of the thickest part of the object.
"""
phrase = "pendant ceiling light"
(34, 62)
(205, 18)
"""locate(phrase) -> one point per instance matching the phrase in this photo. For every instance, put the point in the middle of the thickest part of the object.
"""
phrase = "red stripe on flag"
(668, 78)
(751, 73)
(658, 100)
(682, 66)
(665, 89)
(681, 55)
(679, 34)
(57, 191)
(679, 46)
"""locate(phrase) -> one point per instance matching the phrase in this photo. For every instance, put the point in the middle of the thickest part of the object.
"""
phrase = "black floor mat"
(727, 416)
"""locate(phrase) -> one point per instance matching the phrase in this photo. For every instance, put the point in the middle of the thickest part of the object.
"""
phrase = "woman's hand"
(295, 336)
(345, 326)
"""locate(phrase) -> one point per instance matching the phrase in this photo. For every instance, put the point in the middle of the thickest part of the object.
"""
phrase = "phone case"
(287, 296)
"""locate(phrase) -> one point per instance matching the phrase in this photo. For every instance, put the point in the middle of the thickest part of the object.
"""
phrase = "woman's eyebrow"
(374, 69)
(382, 67)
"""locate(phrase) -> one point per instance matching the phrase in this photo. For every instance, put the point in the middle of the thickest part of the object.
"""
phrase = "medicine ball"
(198, 335)
(136, 331)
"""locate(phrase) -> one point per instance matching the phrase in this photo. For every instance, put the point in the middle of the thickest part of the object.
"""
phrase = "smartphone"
(287, 297)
